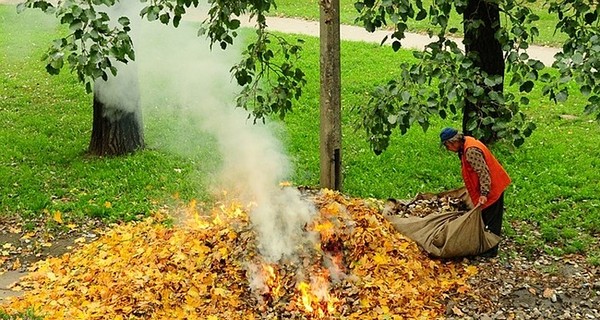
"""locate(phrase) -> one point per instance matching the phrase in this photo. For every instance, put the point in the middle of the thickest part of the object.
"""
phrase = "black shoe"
(492, 253)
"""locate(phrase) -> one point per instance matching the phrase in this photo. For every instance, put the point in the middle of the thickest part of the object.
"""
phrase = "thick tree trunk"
(483, 42)
(115, 131)
(117, 126)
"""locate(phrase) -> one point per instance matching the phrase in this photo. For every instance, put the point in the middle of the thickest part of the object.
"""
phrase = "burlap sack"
(449, 234)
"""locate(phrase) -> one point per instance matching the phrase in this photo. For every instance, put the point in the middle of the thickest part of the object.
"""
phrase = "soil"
(542, 286)
(23, 243)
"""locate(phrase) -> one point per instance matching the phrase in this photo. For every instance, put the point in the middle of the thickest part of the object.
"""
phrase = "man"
(484, 177)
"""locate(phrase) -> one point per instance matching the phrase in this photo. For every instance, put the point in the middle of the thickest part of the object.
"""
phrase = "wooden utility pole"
(330, 118)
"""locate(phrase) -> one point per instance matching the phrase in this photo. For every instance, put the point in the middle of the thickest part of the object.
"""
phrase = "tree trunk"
(330, 117)
(482, 42)
(115, 131)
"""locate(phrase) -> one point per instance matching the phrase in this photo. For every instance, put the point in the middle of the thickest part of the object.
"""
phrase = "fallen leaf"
(532, 291)
(57, 216)
(457, 311)
(548, 293)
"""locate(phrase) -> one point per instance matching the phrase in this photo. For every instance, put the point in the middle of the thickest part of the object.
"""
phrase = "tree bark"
(482, 42)
(330, 117)
(115, 132)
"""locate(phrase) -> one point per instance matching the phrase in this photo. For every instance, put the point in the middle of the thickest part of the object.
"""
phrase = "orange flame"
(315, 297)
(326, 229)
(273, 281)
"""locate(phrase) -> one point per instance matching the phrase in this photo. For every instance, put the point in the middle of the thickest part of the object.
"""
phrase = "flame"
(326, 229)
(266, 282)
(273, 281)
(315, 297)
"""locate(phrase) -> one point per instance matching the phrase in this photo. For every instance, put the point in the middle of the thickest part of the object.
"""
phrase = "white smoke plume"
(116, 101)
(120, 95)
(182, 78)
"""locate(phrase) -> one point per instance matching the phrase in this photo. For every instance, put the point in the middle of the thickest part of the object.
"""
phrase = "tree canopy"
(445, 77)
(268, 73)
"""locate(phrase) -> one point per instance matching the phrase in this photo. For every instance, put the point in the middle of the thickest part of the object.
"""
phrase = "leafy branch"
(445, 78)
(270, 78)
(92, 43)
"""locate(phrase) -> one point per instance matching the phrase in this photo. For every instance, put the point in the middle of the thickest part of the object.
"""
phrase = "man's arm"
(476, 159)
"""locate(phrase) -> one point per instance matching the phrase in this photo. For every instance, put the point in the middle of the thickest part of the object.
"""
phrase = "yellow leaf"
(471, 270)
(380, 258)
(285, 184)
(548, 293)
(462, 289)
(57, 216)
(223, 251)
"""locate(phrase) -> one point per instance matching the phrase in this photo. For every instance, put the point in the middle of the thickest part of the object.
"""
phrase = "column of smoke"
(196, 84)
(120, 95)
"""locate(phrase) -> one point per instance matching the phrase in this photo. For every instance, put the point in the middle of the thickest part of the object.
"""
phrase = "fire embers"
(306, 287)
(423, 205)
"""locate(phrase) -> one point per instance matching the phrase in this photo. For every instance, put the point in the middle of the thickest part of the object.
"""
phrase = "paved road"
(353, 33)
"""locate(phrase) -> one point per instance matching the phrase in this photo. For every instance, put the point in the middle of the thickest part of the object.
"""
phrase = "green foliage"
(309, 10)
(283, 81)
(92, 43)
(456, 77)
(268, 72)
(580, 56)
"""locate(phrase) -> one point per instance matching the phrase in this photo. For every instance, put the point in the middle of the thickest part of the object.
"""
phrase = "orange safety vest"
(499, 178)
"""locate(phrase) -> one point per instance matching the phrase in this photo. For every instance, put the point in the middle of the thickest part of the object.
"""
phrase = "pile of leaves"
(210, 268)
(424, 206)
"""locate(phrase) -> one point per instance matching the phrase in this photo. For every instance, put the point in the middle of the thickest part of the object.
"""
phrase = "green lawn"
(45, 123)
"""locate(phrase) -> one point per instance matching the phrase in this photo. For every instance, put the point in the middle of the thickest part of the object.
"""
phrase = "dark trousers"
(492, 218)
(492, 215)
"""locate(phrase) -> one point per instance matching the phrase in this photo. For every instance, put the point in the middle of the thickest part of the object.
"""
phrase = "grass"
(45, 129)
(27, 315)
(309, 10)
(553, 203)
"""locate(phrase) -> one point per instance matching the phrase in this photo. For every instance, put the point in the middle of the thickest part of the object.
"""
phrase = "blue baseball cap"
(447, 134)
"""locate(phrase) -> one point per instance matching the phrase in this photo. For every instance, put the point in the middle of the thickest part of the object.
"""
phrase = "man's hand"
(482, 200)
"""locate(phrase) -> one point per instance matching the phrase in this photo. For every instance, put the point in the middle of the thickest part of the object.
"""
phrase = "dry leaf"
(532, 291)
(457, 311)
(548, 293)
(57, 216)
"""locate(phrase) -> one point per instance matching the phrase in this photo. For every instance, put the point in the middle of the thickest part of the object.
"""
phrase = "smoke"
(185, 84)
(121, 95)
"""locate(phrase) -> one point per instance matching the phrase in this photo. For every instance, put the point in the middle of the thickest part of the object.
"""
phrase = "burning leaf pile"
(210, 268)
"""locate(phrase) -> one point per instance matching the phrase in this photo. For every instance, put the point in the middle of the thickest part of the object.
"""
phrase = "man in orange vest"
(484, 177)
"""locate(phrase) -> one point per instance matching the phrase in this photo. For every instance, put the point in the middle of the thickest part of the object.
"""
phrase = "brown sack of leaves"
(203, 270)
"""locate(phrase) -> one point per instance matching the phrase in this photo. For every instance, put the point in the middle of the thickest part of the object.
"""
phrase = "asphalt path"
(353, 33)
